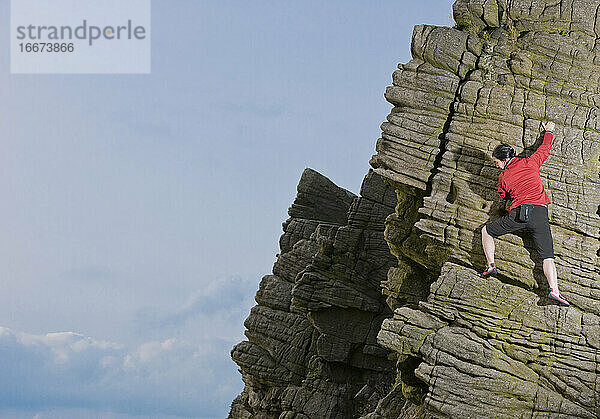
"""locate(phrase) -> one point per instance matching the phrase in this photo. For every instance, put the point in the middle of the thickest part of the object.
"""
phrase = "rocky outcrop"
(452, 343)
(312, 339)
(475, 343)
(487, 344)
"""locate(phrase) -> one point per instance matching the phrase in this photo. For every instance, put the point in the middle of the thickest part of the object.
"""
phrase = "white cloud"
(176, 364)
(72, 371)
(224, 299)
(64, 345)
(149, 352)
(55, 413)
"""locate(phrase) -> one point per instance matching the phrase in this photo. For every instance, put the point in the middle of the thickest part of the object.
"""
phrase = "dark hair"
(503, 152)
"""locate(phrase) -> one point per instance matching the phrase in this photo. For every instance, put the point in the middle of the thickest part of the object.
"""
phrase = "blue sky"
(140, 211)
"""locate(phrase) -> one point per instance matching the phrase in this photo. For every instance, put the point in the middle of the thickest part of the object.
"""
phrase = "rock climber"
(520, 182)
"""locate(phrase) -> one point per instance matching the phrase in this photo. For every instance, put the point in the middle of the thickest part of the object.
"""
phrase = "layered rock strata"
(452, 343)
(312, 350)
(495, 344)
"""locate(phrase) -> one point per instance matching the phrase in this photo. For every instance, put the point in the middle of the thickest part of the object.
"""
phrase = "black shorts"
(538, 225)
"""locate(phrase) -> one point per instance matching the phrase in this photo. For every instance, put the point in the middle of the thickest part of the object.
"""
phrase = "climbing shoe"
(559, 298)
(490, 271)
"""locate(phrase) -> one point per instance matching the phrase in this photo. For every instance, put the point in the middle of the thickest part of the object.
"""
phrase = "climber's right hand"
(548, 126)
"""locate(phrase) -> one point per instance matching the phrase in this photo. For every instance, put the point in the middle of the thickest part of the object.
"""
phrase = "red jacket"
(520, 180)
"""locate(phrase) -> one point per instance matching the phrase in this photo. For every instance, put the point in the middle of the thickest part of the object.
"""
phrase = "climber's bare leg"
(550, 272)
(489, 247)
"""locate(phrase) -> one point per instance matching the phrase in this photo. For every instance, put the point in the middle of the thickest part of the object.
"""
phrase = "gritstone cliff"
(375, 308)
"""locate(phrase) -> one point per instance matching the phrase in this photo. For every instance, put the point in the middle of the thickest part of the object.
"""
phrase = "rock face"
(312, 339)
(452, 343)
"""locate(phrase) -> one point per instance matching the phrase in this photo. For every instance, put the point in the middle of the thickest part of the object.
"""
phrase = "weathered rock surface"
(312, 339)
(486, 344)
(452, 344)
(473, 343)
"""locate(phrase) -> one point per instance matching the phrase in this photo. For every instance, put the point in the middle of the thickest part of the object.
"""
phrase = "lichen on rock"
(504, 346)
(375, 308)
(312, 339)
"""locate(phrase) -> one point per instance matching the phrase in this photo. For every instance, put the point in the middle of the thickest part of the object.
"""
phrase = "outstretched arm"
(543, 151)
